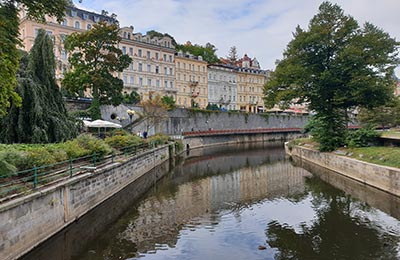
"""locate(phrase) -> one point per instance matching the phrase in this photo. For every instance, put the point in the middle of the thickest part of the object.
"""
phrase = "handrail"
(29, 180)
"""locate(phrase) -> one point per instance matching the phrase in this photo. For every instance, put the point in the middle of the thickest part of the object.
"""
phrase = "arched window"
(65, 22)
(77, 25)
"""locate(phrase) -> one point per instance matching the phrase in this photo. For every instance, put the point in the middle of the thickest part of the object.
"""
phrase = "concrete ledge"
(382, 177)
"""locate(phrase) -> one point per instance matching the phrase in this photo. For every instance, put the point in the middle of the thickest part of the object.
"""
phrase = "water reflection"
(225, 202)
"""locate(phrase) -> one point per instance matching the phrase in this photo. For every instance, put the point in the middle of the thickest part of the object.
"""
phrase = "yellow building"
(250, 89)
(191, 81)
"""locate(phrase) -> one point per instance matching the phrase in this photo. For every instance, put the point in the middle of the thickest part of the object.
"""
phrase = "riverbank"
(382, 177)
(30, 220)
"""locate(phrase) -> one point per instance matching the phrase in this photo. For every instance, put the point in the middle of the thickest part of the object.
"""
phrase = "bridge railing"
(241, 131)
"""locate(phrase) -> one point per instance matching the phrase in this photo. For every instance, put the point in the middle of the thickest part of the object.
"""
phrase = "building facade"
(75, 20)
(191, 80)
(222, 86)
(152, 71)
(250, 89)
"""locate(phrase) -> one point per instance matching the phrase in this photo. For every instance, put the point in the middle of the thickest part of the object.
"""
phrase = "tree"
(232, 55)
(168, 102)
(42, 117)
(207, 52)
(131, 98)
(153, 33)
(154, 111)
(387, 115)
(95, 58)
(334, 66)
(9, 32)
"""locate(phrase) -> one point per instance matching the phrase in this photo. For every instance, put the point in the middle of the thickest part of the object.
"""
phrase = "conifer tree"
(42, 117)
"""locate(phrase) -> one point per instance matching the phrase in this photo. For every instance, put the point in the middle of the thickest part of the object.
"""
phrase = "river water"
(238, 202)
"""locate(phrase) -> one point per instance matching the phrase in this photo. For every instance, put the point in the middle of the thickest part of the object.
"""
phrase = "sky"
(258, 28)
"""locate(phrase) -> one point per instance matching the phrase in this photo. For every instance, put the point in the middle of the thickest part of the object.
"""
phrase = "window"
(157, 83)
(149, 82)
(170, 58)
(157, 70)
(140, 53)
(140, 81)
(64, 22)
(165, 84)
(156, 55)
(125, 79)
(123, 50)
(140, 68)
(170, 71)
(132, 79)
(85, 16)
(88, 26)
(179, 76)
(73, 13)
(148, 68)
(165, 70)
(171, 84)
(77, 25)
(148, 54)
(63, 54)
(131, 66)
(62, 37)
(131, 51)
(165, 57)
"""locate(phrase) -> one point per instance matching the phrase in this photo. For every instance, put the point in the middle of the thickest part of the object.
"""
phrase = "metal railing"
(29, 180)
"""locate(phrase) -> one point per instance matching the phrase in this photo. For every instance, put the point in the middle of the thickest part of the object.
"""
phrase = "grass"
(381, 155)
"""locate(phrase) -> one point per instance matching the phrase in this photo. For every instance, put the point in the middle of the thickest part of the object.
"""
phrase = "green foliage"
(131, 98)
(9, 57)
(385, 116)
(9, 32)
(117, 132)
(93, 144)
(42, 117)
(95, 59)
(158, 139)
(326, 131)
(153, 33)
(334, 65)
(179, 146)
(168, 102)
(121, 141)
(232, 55)
(362, 137)
(212, 107)
(207, 52)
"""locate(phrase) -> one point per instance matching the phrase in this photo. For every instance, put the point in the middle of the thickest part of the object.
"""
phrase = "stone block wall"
(381, 177)
(30, 220)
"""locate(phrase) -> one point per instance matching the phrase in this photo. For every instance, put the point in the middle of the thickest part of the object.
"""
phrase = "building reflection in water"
(227, 182)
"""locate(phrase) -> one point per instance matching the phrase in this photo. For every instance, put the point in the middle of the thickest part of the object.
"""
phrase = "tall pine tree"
(42, 117)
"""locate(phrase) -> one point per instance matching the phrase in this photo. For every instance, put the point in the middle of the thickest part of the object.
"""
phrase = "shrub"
(6, 168)
(117, 132)
(362, 137)
(93, 144)
(74, 150)
(158, 139)
(121, 141)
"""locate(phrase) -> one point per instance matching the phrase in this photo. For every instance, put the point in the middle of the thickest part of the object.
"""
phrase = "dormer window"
(129, 36)
(73, 13)
(85, 16)
(96, 19)
(125, 35)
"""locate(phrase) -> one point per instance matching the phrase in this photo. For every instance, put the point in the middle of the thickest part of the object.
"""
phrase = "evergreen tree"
(42, 117)
(334, 66)
(232, 55)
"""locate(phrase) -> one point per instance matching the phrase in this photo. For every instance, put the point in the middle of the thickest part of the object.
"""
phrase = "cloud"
(260, 28)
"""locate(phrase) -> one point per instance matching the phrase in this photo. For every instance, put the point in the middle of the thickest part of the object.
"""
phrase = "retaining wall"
(203, 141)
(30, 220)
(381, 177)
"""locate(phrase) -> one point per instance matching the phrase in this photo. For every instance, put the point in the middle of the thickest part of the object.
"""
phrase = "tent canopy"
(101, 123)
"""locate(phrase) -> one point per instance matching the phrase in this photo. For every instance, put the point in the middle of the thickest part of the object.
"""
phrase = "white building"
(222, 86)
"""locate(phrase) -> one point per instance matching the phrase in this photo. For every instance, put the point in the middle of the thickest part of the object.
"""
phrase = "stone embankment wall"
(183, 120)
(204, 141)
(381, 177)
(30, 220)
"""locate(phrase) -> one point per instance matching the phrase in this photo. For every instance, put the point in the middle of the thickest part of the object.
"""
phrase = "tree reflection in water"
(339, 231)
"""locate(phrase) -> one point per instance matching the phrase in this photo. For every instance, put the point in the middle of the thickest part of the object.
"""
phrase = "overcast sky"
(260, 28)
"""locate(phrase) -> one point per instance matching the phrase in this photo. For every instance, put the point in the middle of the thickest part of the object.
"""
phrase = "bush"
(93, 144)
(362, 137)
(117, 132)
(158, 139)
(121, 141)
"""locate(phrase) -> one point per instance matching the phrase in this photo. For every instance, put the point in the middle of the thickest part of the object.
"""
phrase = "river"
(237, 202)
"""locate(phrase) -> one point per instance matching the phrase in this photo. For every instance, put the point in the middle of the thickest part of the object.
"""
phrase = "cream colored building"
(75, 20)
(152, 71)
(191, 80)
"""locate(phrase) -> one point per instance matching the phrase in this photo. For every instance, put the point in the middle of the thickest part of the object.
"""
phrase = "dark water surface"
(237, 202)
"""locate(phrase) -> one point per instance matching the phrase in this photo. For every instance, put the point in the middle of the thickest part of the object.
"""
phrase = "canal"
(237, 202)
